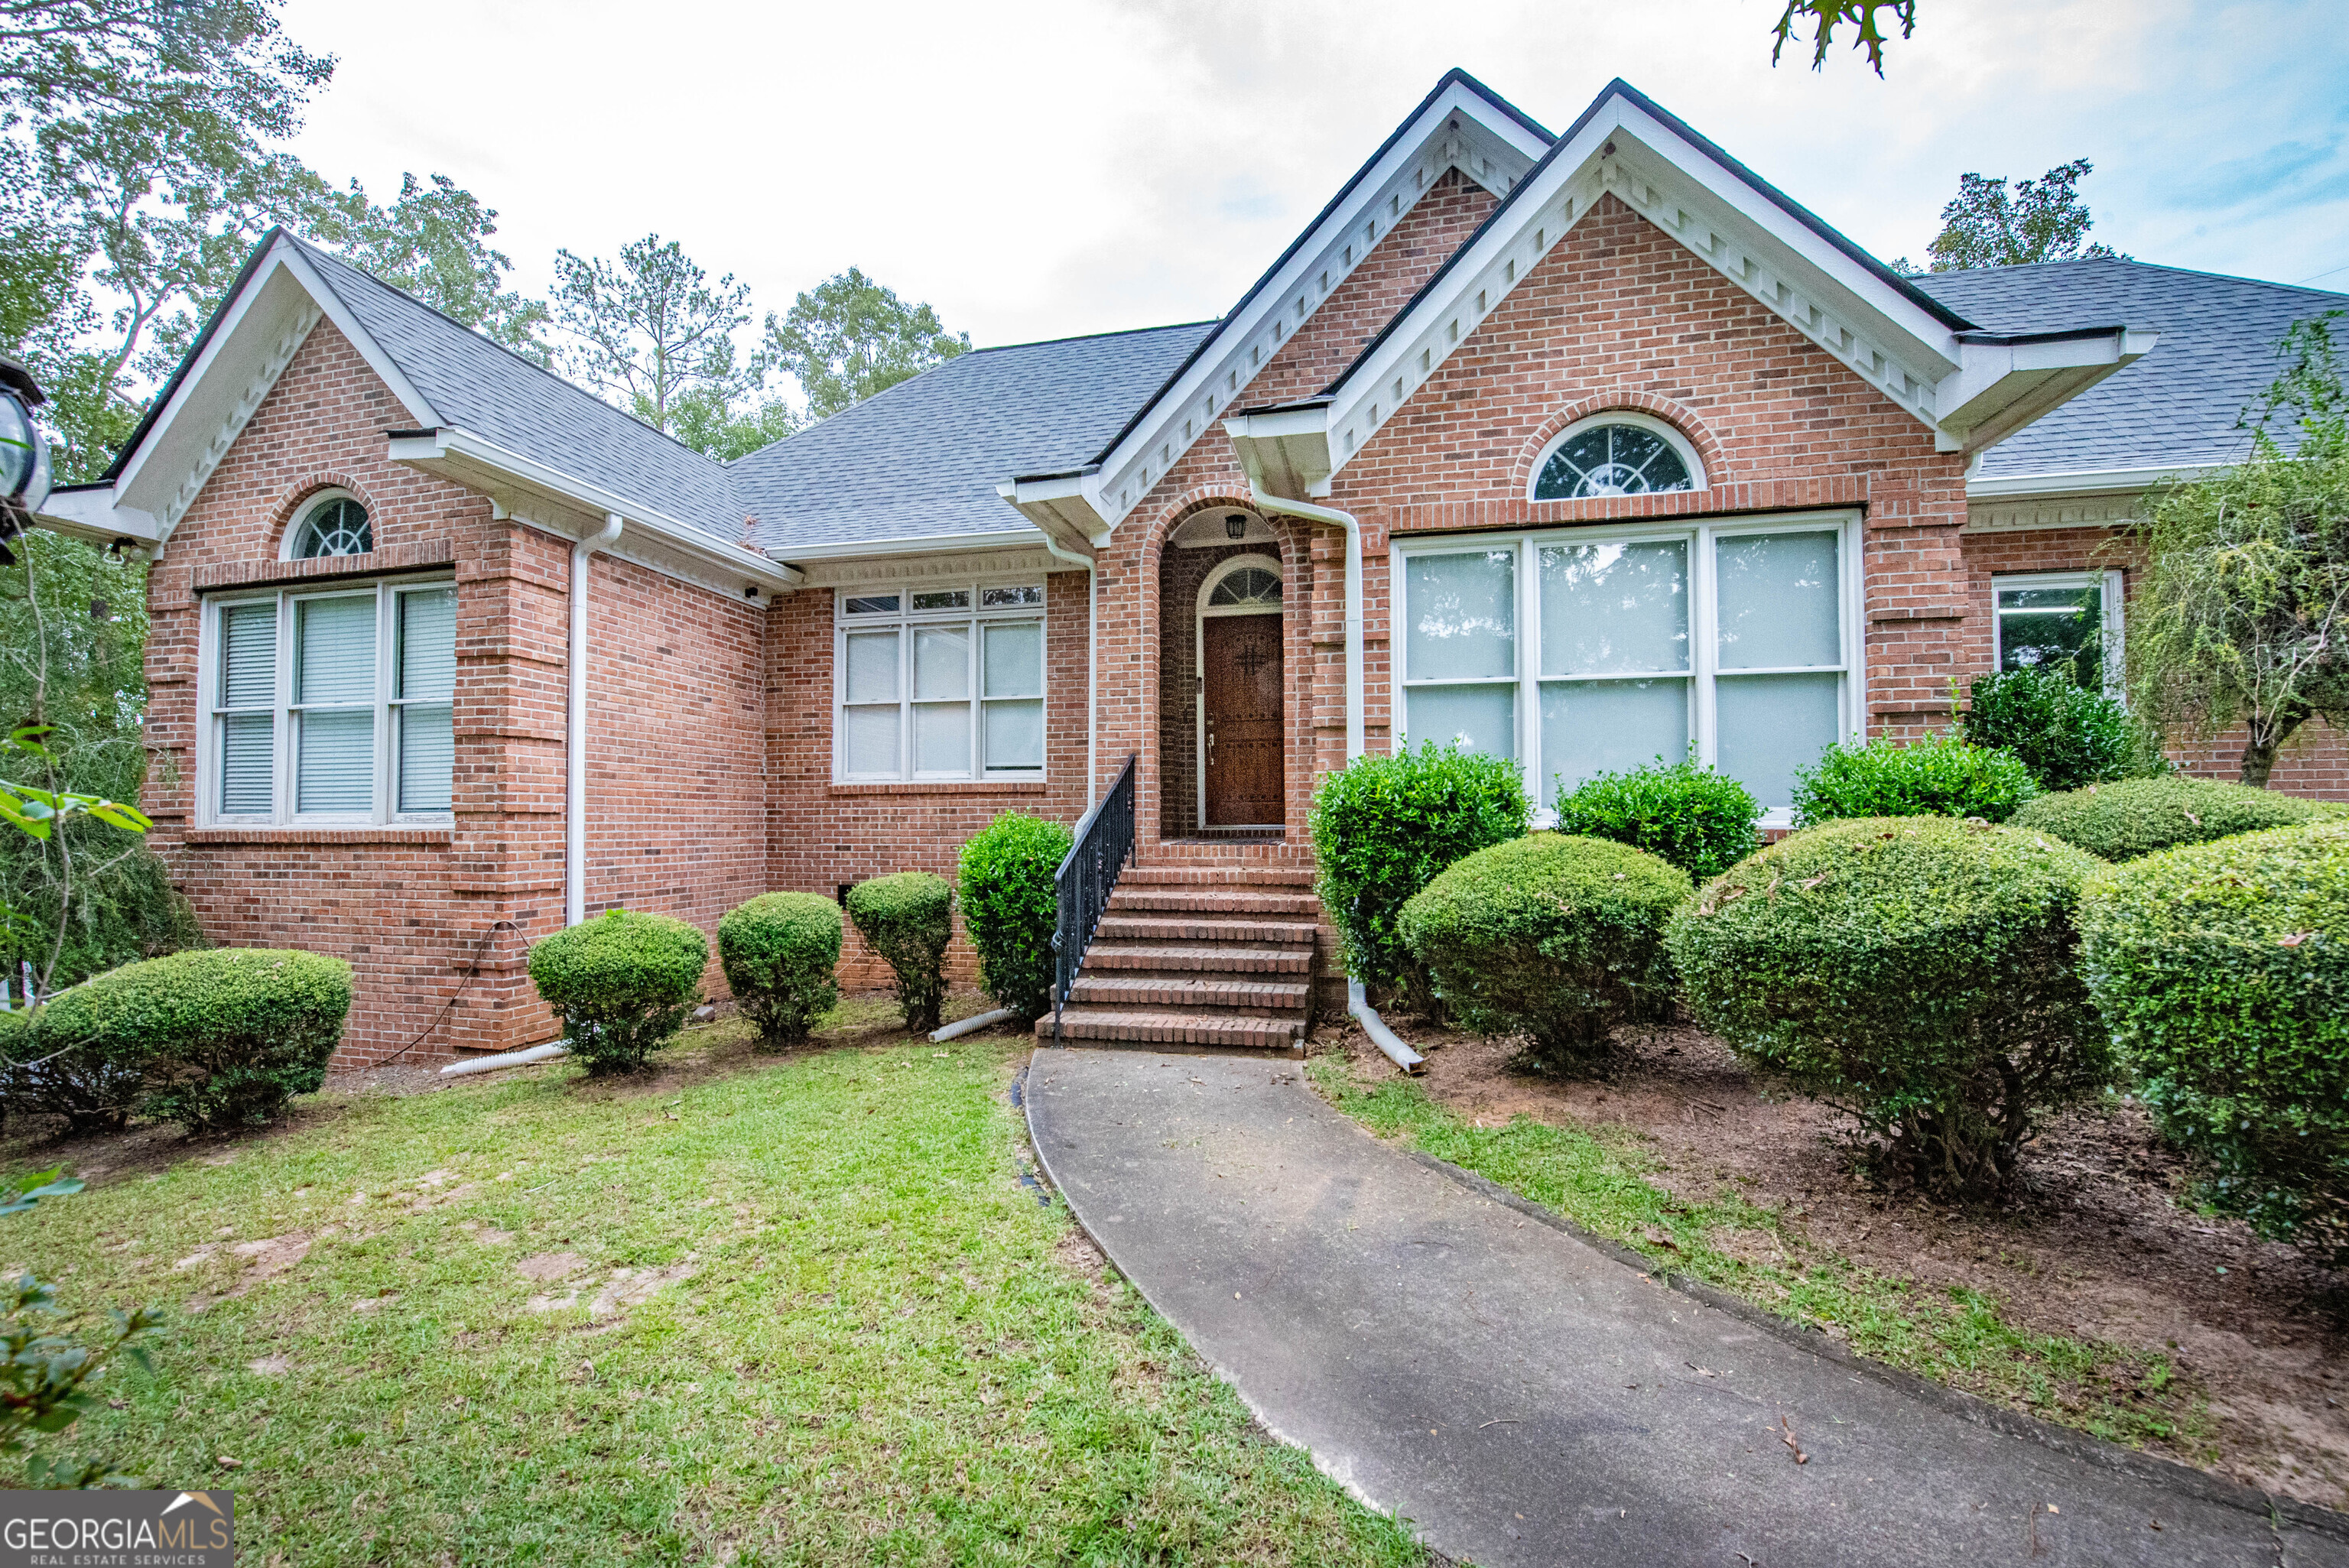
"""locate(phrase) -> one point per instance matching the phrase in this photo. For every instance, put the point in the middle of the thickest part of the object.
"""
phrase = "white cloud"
(1066, 166)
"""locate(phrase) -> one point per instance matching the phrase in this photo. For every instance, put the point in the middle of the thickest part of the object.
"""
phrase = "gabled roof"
(924, 458)
(2176, 407)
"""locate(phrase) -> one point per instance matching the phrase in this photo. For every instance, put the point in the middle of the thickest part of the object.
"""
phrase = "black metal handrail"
(1082, 885)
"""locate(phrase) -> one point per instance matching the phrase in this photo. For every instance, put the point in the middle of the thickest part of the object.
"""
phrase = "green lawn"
(1597, 1178)
(752, 1310)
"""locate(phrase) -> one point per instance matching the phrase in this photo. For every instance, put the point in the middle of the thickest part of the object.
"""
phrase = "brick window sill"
(948, 787)
(428, 838)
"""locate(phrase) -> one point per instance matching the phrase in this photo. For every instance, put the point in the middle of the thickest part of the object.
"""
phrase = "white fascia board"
(1284, 451)
(507, 476)
(928, 544)
(89, 512)
(2084, 481)
(2004, 385)
(1489, 148)
(1775, 257)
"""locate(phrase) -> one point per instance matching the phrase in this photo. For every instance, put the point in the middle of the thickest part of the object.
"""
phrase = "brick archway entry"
(1222, 774)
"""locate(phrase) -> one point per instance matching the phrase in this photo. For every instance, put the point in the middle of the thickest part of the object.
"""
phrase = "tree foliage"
(1823, 16)
(650, 331)
(850, 336)
(2242, 616)
(1987, 224)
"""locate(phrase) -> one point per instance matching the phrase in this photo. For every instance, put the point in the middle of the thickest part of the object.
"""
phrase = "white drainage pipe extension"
(521, 1058)
(971, 1026)
(574, 728)
(1357, 1002)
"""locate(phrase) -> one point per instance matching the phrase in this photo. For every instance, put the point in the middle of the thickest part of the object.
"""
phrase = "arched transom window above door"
(1616, 453)
(1246, 587)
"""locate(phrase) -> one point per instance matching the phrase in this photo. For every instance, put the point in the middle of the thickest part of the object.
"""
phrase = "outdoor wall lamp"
(24, 455)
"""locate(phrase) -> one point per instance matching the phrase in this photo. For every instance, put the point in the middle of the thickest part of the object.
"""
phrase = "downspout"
(1092, 652)
(575, 729)
(1358, 1001)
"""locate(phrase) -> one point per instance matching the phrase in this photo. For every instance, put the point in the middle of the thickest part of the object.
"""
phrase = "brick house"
(1581, 448)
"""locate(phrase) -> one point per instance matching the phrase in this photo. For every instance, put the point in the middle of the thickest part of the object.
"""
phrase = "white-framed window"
(331, 522)
(2068, 618)
(329, 705)
(1619, 453)
(942, 680)
(1584, 651)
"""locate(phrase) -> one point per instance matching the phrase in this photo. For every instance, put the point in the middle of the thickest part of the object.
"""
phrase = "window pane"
(336, 769)
(942, 737)
(426, 752)
(943, 599)
(247, 759)
(1015, 662)
(1603, 727)
(428, 645)
(1024, 594)
(1480, 717)
(2060, 626)
(2056, 599)
(1766, 727)
(941, 663)
(1614, 609)
(871, 737)
(334, 650)
(1015, 735)
(872, 605)
(873, 666)
(1777, 599)
(249, 655)
(1463, 617)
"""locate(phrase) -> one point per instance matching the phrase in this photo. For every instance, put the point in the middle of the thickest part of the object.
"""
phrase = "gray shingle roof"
(2179, 404)
(477, 386)
(925, 457)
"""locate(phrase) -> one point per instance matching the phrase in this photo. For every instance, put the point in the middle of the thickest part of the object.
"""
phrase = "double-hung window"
(330, 706)
(2065, 620)
(1582, 652)
(943, 681)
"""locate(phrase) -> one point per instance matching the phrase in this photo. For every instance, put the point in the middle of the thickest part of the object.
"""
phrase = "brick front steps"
(1199, 947)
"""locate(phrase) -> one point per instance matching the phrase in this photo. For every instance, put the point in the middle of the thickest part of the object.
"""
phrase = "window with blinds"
(942, 682)
(333, 705)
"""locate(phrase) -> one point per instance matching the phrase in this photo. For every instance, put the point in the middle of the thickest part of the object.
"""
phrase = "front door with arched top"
(1240, 728)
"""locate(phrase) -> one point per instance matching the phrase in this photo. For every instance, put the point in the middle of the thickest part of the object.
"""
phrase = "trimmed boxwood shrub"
(1383, 827)
(1918, 973)
(624, 983)
(217, 1038)
(780, 952)
(908, 919)
(1698, 818)
(1556, 936)
(1939, 776)
(2139, 816)
(2065, 734)
(2223, 971)
(1010, 910)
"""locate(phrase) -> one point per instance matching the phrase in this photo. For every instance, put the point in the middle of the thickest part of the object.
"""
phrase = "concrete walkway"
(1522, 1395)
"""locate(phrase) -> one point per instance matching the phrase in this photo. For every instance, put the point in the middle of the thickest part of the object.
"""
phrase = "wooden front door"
(1239, 656)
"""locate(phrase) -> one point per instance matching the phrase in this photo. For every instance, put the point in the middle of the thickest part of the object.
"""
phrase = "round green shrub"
(2223, 971)
(1383, 827)
(1698, 818)
(1918, 973)
(2136, 817)
(780, 952)
(625, 984)
(1939, 776)
(1555, 936)
(215, 1038)
(908, 919)
(2065, 734)
(1010, 909)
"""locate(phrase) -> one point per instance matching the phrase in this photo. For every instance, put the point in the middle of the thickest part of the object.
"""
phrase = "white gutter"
(2087, 481)
(574, 728)
(1092, 650)
(1333, 518)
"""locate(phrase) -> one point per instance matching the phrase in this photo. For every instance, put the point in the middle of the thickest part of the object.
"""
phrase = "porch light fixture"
(24, 455)
(1235, 525)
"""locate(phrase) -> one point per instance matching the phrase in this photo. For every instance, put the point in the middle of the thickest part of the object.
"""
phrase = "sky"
(1071, 166)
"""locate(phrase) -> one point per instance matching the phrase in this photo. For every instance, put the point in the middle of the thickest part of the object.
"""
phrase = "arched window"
(1249, 586)
(1616, 454)
(334, 525)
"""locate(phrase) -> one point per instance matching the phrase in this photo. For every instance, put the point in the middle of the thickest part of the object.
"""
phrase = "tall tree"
(225, 58)
(2243, 614)
(433, 242)
(849, 337)
(651, 330)
(1823, 16)
(2042, 219)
